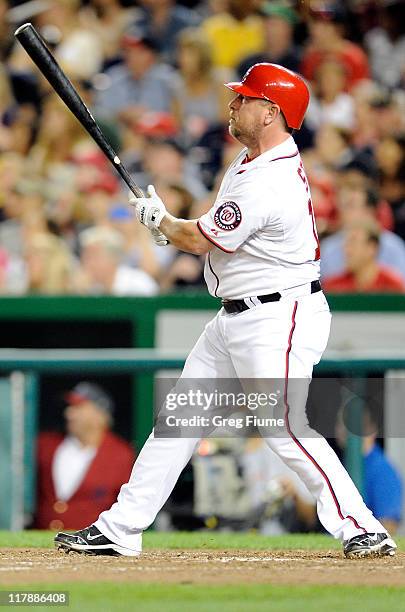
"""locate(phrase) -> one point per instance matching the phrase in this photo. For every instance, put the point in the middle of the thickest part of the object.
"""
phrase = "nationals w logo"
(228, 216)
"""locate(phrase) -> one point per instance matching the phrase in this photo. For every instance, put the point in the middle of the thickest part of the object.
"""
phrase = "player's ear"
(273, 112)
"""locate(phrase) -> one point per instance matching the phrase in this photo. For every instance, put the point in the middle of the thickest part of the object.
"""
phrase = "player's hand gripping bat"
(41, 56)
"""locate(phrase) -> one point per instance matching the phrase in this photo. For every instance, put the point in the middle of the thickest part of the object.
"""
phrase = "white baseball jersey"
(262, 225)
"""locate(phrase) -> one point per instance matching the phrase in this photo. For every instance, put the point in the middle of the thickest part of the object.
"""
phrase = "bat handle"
(137, 191)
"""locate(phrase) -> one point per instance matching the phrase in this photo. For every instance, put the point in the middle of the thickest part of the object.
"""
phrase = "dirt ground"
(36, 565)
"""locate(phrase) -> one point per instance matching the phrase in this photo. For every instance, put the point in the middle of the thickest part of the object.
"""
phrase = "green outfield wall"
(73, 328)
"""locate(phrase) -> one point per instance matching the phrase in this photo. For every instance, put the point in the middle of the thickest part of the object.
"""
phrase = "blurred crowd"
(152, 74)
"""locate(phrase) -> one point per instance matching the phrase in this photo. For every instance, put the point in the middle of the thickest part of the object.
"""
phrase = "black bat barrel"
(36, 48)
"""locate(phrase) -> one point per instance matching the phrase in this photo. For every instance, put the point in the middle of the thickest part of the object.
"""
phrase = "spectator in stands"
(165, 160)
(58, 135)
(80, 473)
(12, 167)
(326, 28)
(177, 269)
(203, 99)
(366, 130)
(326, 162)
(109, 20)
(363, 272)
(323, 162)
(359, 174)
(21, 123)
(139, 250)
(102, 269)
(390, 155)
(379, 114)
(389, 114)
(359, 203)
(6, 32)
(64, 218)
(140, 101)
(97, 186)
(19, 197)
(279, 47)
(234, 34)
(23, 210)
(386, 44)
(331, 103)
(382, 484)
(212, 7)
(50, 265)
(4, 266)
(164, 20)
(6, 102)
(185, 272)
(332, 149)
(77, 48)
(180, 200)
(142, 83)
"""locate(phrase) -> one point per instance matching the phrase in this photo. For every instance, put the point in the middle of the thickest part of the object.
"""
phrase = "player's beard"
(244, 136)
(234, 131)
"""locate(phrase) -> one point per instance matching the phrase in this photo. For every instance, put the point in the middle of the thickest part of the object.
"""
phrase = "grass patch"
(243, 597)
(187, 540)
(202, 540)
(236, 598)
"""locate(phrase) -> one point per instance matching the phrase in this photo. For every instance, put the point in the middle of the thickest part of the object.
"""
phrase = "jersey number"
(301, 174)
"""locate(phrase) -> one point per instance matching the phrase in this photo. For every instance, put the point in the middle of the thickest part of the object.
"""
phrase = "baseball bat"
(36, 48)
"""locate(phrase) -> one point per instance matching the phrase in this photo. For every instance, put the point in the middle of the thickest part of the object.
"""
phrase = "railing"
(148, 361)
(140, 315)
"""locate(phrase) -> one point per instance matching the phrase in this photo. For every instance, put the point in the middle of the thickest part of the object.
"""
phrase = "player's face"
(247, 118)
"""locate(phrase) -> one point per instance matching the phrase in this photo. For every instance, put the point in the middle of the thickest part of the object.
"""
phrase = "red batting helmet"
(277, 84)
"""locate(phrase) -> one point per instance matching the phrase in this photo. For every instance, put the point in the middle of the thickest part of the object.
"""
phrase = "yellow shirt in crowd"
(232, 40)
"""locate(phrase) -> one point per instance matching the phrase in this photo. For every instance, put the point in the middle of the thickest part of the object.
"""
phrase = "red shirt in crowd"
(351, 56)
(386, 281)
(110, 468)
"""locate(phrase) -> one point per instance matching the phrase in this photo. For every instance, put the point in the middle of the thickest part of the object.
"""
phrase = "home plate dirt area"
(211, 567)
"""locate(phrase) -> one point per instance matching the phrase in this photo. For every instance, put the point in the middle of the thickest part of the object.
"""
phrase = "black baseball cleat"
(91, 541)
(369, 545)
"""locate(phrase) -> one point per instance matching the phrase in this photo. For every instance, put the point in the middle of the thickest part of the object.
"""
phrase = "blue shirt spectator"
(154, 91)
(383, 488)
(164, 20)
(391, 254)
(142, 83)
(382, 484)
(358, 203)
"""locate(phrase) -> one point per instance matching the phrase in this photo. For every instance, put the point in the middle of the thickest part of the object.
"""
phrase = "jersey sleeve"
(239, 212)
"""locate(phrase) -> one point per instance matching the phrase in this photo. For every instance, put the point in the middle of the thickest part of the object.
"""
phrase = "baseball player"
(262, 260)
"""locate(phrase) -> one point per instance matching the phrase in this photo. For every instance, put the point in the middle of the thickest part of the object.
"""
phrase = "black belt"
(232, 306)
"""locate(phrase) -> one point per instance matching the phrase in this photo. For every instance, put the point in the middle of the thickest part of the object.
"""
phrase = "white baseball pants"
(277, 340)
